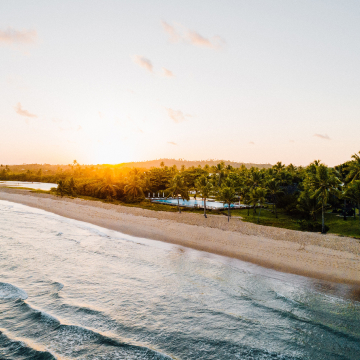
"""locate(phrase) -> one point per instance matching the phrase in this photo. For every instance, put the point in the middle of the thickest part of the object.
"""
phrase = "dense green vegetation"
(312, 198)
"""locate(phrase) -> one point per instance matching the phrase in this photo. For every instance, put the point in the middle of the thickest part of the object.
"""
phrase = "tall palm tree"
(205, 188)
(323, 183)
(219, 170)
(133, 189)
(354, 168)
(107, 187)
(61, 188)
(274, 189)
(307, 204)
(72, 187)
(258, 197)
(279, 166)
(177, 187)
(353, 192)
(227, 195)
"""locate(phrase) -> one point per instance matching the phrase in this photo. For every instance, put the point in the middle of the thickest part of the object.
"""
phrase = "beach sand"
(327, 257)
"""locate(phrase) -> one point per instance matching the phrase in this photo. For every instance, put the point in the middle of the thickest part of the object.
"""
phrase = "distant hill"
(52, 169)
(188, 163)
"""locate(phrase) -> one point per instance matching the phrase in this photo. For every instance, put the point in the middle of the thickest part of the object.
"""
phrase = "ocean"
(72, 290)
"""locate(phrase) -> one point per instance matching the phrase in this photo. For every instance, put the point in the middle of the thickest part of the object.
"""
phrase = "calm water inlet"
(71, 290)
(29, 185)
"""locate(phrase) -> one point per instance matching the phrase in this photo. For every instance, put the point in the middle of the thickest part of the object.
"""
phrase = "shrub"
(314, 226)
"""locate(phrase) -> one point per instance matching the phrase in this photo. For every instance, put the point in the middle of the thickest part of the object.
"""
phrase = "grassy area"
(336, 223)
(267, 218)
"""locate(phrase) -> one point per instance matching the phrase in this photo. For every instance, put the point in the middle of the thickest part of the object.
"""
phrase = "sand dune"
(327, 257)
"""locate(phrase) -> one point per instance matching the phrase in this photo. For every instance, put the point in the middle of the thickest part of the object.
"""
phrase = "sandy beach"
(327, 257)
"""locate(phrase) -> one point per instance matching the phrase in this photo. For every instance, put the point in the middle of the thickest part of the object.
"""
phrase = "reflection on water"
(72, 290)
(28, 184)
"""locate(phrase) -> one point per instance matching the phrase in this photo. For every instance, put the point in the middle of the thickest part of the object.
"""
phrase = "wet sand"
(327, 257)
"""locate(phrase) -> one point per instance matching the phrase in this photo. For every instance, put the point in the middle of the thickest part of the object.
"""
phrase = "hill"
(188, 163)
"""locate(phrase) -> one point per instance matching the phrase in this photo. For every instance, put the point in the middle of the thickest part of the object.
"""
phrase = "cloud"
(23, 112)
(292, 141)
(325, 137)
(167, 72)
(192, 37)
(143, 62)
(172, 143)
(177, 115)
(12, 36)
(251, 143)
(173, 35)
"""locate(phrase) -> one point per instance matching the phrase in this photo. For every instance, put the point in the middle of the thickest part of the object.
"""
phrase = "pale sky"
(116, 81)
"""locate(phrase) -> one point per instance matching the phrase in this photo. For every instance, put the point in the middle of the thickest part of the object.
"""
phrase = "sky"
(115, 81)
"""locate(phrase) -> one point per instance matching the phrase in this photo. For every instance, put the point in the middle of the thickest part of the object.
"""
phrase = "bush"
(314, 226)
(288, 202)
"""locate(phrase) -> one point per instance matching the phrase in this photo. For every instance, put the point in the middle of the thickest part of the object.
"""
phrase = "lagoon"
(28, 184)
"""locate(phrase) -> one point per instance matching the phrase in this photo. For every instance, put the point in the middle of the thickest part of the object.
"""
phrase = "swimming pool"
(198, 203)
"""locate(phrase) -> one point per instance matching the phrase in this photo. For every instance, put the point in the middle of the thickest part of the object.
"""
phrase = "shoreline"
(327, 257)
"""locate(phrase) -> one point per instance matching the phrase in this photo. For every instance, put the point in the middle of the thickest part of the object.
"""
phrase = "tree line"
(304, 193)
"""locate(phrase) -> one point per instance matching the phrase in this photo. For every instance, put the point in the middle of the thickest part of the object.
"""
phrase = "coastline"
(326, 257)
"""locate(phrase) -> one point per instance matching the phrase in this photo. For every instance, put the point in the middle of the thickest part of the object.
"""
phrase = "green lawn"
(336, 223)
(267, 218)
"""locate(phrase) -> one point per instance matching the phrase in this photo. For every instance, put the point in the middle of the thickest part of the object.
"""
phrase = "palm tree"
(323, 182)
(177, 187)
(61, 188)
(205, 187)
(278, 166)
(108, 187)
(255, 180)
(274, 189)
(258, 197)
(307, 204)
(133, 189)
(72, 187)
(219, 170)
(354, 168)
(227, 195)
(353, 192)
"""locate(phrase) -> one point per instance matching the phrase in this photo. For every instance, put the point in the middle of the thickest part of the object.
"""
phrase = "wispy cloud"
(172, 143)
(180, 33)
(143, 62)
(12, 36)
(251, 143)
(167, 73)
(23, 112)
(173, 35)
(325, 137)
(177, 115)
